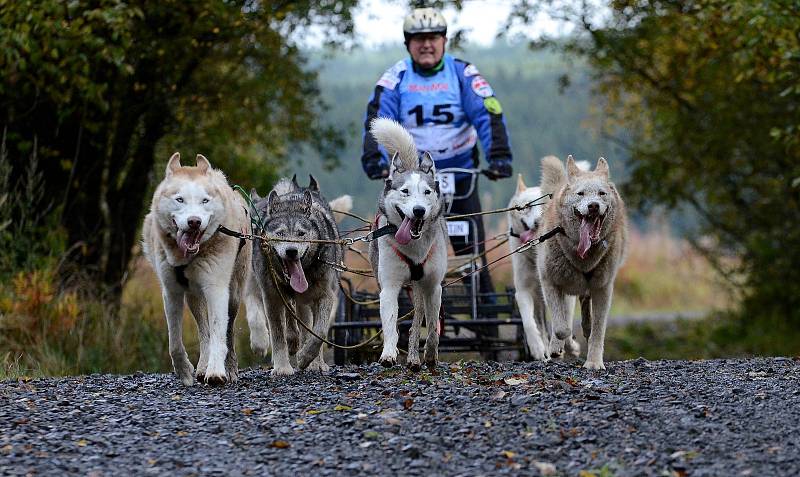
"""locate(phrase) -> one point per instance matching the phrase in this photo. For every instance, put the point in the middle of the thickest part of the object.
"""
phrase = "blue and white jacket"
(446, 113)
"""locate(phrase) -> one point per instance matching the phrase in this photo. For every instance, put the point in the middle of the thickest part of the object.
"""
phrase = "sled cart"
(470, 321)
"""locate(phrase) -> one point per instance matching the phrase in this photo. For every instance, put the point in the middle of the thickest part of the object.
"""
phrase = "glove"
(376, 170)
(498, 169)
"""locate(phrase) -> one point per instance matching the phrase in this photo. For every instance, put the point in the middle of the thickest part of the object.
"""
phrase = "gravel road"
(673, 418)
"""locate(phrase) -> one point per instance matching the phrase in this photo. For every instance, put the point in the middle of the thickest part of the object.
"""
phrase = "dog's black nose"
(419, 212)
(594, 208)
(194, 222)
(291, 253)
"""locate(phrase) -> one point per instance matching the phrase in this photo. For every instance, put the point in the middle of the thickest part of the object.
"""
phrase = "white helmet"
(424, 20)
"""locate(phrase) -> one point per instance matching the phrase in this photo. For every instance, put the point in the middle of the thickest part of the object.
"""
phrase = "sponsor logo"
(481, 87)
(492, 105)
(424, 88)
(471, 70)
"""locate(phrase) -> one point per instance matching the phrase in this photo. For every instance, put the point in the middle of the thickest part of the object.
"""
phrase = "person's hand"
(498, 169)
(376, 170)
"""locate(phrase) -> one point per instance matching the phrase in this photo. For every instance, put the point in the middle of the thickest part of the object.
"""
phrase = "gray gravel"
(674, 418)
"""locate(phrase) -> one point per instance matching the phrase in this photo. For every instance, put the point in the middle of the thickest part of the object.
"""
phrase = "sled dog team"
(289, 287)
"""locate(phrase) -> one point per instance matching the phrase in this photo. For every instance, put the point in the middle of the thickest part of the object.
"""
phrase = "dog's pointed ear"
(294, 181)
(254, 195)
(602, 167)
(202, 164)
(271, 201)
(307, 201)
(572, 168)
(396, 166)
(426, 164)
(313, 185)
(173, 164)
(520, 184)
(387, 185)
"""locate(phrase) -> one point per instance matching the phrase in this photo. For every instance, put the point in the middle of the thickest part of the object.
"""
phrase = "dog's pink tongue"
(403, 234)
(527, 235)
(297, 278)
(585, 241)
(185, 241)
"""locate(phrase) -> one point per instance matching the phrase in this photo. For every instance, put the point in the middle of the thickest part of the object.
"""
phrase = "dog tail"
(553, 174)
(341, 204)
(396, 139)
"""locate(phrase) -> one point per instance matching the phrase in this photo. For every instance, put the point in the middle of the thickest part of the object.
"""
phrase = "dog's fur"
(410, 200)
(194, 261)
(524, 225)
(585, 259)
(308, 284)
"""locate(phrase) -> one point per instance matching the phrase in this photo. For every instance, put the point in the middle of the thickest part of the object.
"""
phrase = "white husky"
(193, 260)
(524, 225)
(417, 253)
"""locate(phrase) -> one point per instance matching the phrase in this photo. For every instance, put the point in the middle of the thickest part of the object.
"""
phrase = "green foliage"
(708, 91)
(105, 90)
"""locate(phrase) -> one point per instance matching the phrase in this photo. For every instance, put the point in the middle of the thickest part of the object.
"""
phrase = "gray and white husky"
(193, 260)
(305, 280)
(582, 262)
(417, 252)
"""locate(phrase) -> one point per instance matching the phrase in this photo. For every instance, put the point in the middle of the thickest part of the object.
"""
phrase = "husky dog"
(194, 261)
(585, 259)
(523, 226)
(256, 316)
(303, 278)
(417, 253)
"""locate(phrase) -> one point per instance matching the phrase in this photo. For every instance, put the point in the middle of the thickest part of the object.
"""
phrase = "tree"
(101, 91)
(709, 91)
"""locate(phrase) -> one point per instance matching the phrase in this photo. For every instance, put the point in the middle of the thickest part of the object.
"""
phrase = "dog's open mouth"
(189, 241)
(528, 233)
(591, 225)
(293, 271)
(409, 229)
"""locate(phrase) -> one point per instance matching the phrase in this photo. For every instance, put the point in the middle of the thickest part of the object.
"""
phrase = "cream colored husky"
(196, 262)
(584, 260)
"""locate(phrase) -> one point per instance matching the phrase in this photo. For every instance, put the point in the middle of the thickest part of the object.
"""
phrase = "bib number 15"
(441, 115)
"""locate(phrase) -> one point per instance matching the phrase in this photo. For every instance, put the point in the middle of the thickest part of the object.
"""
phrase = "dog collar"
(381, 231)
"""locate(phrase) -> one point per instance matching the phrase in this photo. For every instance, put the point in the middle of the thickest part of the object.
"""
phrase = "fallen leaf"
(372, 435)
(314, 411)
(181, 433)
(487, 424)
(544, 468)
(82, 443)
(247, 411)
(407, 403)
(280, 444)
(508, 454)
(342, 407)
(176, 397)
(516, 380)
(299, 421)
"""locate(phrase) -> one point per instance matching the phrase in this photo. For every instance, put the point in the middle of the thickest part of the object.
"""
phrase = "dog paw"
(216, 379)
(388, 358)
(259, 346)
(431, 365)
(556, 348)
(318, 366)
(414, 365)
(594, 365)
(572, 347)
(282, 371)
(537, 350)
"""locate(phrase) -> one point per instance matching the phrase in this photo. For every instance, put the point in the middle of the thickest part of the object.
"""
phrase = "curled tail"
(553, 174)
(396, 139)
(340, 206)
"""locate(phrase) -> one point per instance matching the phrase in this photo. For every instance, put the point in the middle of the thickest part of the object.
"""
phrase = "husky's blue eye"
(602, 192)
(404, 191)
(179, 199)
(301, 234)
(428, 192)
(580, 193)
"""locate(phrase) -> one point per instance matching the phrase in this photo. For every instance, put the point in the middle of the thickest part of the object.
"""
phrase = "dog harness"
(416, 269)
(180, 271)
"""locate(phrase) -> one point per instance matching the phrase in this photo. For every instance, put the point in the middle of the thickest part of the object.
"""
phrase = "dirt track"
(729, 417)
